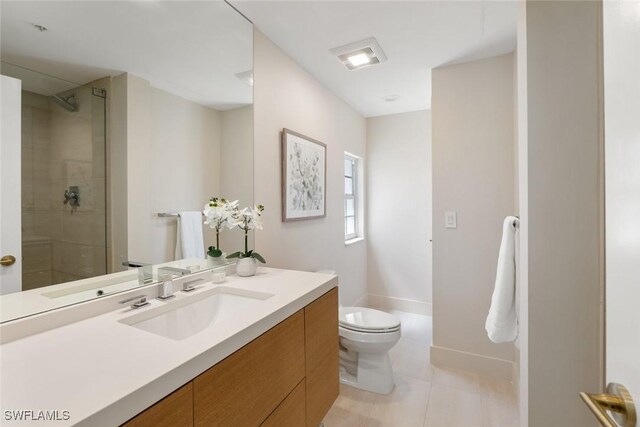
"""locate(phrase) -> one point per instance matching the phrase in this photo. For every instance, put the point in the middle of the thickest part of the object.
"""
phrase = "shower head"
(67, 103)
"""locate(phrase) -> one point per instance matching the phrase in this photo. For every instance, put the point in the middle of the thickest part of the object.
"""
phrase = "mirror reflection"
(129, 124)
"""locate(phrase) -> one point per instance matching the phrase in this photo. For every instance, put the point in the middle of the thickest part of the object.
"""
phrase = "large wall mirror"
(129, 110)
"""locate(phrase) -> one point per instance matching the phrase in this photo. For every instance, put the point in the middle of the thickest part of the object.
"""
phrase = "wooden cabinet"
(291, 411)
(247, 386)
(175, 410)
(287, 377)
(322, 356)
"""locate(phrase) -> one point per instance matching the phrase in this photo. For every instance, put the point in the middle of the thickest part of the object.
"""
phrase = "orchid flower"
(219, 214)
(248, 219)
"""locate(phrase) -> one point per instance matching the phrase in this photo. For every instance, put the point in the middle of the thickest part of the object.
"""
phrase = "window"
(350, 197)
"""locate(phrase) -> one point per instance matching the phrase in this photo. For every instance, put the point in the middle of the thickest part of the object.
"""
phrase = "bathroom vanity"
(260, 351)
(288, 376)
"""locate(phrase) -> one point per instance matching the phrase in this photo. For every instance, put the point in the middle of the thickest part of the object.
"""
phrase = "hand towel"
(189, 238)
(502, 322)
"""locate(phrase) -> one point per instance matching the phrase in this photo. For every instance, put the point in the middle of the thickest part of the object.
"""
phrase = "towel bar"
(170, 214)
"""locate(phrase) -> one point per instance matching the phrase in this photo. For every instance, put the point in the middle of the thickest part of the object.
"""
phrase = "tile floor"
(425, 396)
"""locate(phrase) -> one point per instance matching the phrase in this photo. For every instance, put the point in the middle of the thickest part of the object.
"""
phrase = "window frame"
(354, 196)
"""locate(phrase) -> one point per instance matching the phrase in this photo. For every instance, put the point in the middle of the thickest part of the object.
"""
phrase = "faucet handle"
(138, 301)
(186, 286)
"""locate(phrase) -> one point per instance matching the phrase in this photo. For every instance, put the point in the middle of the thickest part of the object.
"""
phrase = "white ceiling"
(417, 36)
(192, 49)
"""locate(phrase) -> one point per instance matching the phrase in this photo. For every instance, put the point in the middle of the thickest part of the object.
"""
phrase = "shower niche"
(64, 180)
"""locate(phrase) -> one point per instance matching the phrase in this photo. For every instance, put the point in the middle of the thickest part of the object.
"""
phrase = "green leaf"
(214, 252)
(257, 256)
(248, 254)
(235, 255)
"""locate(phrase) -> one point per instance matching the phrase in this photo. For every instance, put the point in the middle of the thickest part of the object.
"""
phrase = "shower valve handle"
(72, 196)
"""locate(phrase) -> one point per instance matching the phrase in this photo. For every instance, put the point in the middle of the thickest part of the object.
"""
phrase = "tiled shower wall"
(37, 265)
(62, 149)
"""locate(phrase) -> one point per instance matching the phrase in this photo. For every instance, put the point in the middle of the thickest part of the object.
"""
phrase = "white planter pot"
(216, 261)
(246, 267)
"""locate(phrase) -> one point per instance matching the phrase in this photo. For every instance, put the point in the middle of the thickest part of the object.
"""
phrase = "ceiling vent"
(360, 54)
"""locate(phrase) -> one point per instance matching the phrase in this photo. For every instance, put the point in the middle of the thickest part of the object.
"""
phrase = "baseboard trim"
(490, 367)
(383, 302)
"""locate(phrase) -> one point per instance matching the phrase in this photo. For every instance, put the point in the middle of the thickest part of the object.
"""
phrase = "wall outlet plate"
(450, 219)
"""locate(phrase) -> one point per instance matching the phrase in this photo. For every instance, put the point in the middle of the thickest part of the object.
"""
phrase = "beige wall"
(236, 168)
(173, 164)
(399, 209)
(287, 96)
(473, 174)
(563, 59)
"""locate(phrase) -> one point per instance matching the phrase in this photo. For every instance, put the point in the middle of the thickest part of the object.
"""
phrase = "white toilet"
(366, 336)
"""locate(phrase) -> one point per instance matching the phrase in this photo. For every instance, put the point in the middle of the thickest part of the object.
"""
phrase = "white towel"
(189, 238)
(502, 321)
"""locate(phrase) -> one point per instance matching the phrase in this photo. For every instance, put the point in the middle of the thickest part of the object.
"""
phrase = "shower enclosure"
(64, 181)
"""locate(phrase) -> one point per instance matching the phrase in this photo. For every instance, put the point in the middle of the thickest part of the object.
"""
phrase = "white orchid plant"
(248, 219)
(219, 214)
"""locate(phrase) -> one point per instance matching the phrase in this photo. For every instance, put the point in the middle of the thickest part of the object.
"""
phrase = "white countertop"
(104, 372)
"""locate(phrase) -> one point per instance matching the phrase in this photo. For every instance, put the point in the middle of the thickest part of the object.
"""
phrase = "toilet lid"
(367, 319)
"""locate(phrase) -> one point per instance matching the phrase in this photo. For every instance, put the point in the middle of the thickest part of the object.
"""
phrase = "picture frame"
(304, 177)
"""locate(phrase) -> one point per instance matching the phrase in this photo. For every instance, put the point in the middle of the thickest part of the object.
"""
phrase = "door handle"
(7, 260)
(616, 400)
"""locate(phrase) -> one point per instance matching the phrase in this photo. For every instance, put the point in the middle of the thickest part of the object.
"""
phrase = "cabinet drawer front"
(291, 412)
(244, 388)
(322, 356)
(175, 410)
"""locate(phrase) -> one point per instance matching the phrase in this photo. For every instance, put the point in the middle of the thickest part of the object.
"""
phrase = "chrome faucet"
(165, 289)
(145, 271)
(180, 272)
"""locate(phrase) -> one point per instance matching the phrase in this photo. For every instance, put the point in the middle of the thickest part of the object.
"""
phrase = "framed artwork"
(304, 177)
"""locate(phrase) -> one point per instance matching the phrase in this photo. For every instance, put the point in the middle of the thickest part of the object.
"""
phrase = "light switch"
(450, 219)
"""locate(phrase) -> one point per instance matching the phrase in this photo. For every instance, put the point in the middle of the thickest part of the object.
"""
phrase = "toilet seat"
(367, 320)
(370, 337)
(370, 331)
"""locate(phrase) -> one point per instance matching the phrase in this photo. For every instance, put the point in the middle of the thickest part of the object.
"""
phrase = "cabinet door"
(175, 410)
(291, 412)
(322, 356)
(244, 388)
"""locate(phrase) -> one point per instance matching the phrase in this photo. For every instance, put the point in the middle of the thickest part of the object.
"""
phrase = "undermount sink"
(182, 318)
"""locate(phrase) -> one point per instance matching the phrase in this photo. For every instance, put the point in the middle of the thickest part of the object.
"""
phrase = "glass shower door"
(64, 179)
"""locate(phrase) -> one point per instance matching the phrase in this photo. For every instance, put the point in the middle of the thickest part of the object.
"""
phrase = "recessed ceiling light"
(391, 98)
(40, 28)
(360, 54)
(359, 59)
